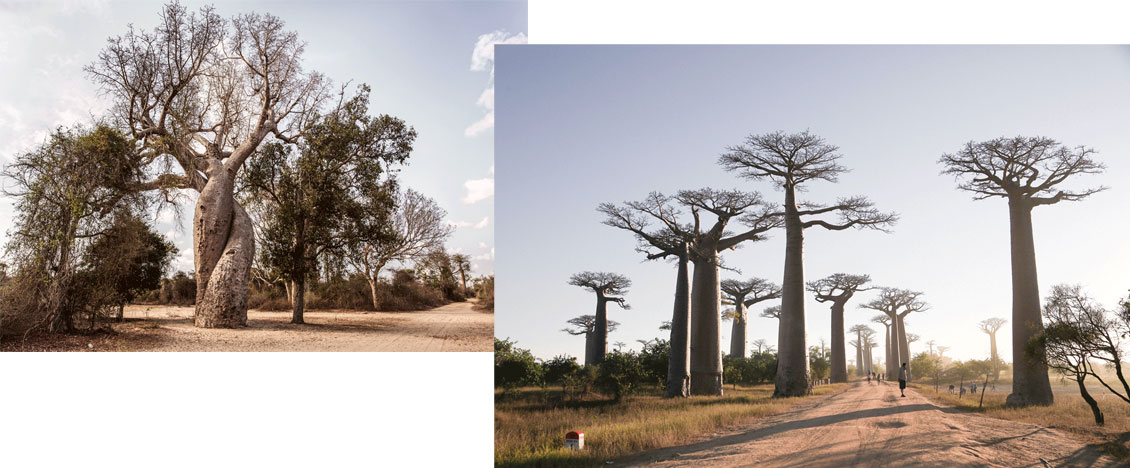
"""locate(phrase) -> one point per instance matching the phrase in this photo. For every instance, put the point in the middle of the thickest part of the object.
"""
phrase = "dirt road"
(870, 425)
(454, 327)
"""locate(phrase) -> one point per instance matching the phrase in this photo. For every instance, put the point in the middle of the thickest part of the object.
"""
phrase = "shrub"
(484, 290)
(654, 358)
(619, 374)
(558, 369)
(514, 367)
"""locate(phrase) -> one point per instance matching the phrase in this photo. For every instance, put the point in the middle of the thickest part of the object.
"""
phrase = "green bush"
(514, 367)
(619, 374)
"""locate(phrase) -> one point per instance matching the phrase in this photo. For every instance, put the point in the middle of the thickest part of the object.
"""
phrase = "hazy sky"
(580, 125)
(429, 63)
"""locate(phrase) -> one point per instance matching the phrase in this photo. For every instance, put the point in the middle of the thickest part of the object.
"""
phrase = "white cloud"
(467, 224)
(485, 256)
(482, 245)
(478, 190)
(482, 59)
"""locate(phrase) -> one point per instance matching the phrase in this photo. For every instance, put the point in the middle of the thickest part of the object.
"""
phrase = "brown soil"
(871, 425)
(453, 327)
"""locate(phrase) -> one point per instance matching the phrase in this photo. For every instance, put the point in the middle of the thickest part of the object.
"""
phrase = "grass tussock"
(530, 427)
(1069, 413)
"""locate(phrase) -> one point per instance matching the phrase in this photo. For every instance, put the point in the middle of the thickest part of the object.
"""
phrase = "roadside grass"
(530, 427)
(1069, 413)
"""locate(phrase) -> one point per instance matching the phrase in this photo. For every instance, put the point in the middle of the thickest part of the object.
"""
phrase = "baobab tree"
(607, 287)
(838, 289)
(792, 160)
(204, 93)
(942, 351)
(858, 331)
(910, 338)
(1027, 172)
(886, 321)
(931, 345)
(990, 326)
(704, 244)
(462, 264)
(897, 304)
(742, 295)
(773, 312)
(586, 325)
(761, 345)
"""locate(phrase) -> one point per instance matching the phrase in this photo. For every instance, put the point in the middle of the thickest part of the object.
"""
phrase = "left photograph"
(249, 176)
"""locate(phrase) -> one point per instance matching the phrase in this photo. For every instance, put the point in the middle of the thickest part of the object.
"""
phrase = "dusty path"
(454, 327)
(870, 425)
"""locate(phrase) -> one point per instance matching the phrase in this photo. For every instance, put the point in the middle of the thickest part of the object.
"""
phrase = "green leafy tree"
(655, 357)
(514, 366)
(331, 188)
(127, 260)
(558, 369)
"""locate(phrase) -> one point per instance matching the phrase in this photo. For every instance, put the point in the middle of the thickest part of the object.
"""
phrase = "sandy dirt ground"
(454, 327)
(871, 425)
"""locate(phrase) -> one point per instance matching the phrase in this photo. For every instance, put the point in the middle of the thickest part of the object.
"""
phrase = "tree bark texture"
(893, 357)
(904, 346)
(1030, 382)
(224, 246)
(679, 363)
(839, 353)
(600, 332)
(792, 358)
(738, 332)
(706, 325)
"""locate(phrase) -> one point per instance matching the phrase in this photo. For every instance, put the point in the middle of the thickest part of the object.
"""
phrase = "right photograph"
(815, 256)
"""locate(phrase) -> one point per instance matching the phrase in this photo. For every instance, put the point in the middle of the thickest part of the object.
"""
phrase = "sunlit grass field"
(529, 428)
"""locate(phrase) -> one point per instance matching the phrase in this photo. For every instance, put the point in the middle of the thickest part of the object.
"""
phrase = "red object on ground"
(575, 435)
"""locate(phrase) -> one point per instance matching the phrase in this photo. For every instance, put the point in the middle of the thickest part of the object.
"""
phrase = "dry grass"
(1069, 413)
(529, 429)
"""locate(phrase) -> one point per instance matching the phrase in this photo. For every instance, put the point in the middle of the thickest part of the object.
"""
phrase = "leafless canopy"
(787, 159)
(204, 92)
(586, 324)
(991, 325)
(601, 282)
(1022, 167)
(750, 291)
(671, 232)
(772, 312)
(790, 160)
(881, 318)
(837, 286)
(911, 337)
(897, 301)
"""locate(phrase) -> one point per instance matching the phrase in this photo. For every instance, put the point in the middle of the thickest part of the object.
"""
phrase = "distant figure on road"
(973, 388)
(951, 389)
(868, 378)
(904, 375)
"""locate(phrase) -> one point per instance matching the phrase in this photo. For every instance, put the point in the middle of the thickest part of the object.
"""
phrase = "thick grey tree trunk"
(993, 354)
(792, 357)
(904, 347)
(737, 334)
(679, 363)
(893, 358)
(858, 356)
(706, 324)
(590, 353)
(600, 332)
(223, 244)
(839, 353)
(887, 347)
(1030, 382)
(867, 358)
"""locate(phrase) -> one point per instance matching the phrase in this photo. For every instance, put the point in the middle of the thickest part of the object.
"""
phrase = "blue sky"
(580, 125)
(429, 63)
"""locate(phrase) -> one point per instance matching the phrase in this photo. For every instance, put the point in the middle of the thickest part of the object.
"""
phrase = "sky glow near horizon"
(581, 125)
(429, 63)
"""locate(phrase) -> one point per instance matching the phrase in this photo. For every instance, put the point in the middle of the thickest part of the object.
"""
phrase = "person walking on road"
(868, 378)
(904, 375)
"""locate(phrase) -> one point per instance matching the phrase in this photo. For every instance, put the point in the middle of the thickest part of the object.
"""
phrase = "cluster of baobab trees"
(276, 155)
(694, 228)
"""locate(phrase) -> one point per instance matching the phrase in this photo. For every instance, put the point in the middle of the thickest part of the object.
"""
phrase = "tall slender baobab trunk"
(590, 353)
(600, 332)
(1030, 382)
(223, 244)
(792, 357)
(904, 346)
(706, 324)
(679, 363)
(887, 347)
(993, 354)
(838, 371)
(858, 356)
(893, 357)
(737, 334)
